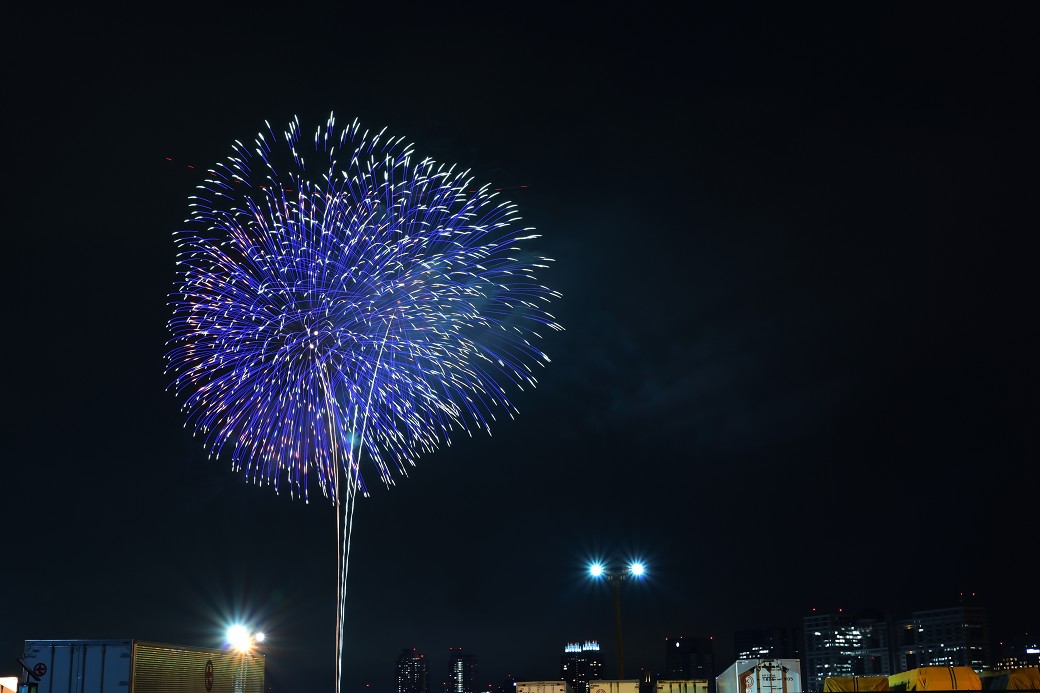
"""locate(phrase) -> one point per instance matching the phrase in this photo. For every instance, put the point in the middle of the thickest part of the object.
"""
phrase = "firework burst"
(341, 303)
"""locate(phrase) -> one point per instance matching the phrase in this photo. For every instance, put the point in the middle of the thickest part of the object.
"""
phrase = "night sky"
(798, 258)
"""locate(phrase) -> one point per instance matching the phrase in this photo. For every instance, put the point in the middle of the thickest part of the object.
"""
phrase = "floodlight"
(238, 637)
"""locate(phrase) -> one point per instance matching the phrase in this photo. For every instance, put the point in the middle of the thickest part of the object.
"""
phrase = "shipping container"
(543, 687)
(850, 684)
(761, 676)
(614, 686)
(134, 666)
(682, 686)
(957, 678)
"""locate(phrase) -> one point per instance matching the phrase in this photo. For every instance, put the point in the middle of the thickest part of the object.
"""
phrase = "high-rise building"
(688, 658)
(768, 643)
(412, 672)
(581, 662)
(1022, 651)
(462, 672)
(676, 658)
(872, 644)
(957, 636)
(842, 645)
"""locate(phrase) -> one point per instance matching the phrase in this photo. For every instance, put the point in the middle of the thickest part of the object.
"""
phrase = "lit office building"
(768, 643)
(838, 645)
(462, 672)
(581, 663)
(957, 636)
(1015, 653)
(411, 673)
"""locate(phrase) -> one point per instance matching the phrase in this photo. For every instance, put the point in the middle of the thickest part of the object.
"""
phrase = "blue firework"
(340, 300)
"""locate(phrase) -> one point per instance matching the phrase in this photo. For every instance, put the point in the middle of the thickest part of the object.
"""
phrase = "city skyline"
(791, 646)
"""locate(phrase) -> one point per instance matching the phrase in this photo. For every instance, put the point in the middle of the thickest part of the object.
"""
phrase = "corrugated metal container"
(133, 666)
(850, 684)
(761, 676)
(682, 686)
(614, 686)
(542, 687)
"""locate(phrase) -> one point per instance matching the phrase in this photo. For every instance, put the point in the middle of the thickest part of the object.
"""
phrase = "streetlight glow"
(615, 577)
(241, 640)
(238, 637)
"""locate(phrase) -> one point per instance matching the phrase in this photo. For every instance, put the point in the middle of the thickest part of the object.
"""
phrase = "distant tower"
(412, 672)
(581, 663)
(955, 636)
(840, 644)
(462, 672)
(689, 658)
(676, 659)
(767, 643)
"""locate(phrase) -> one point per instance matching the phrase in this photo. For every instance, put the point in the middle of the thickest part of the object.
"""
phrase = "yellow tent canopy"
(936, 679)
(1025, 678)
(844, 684)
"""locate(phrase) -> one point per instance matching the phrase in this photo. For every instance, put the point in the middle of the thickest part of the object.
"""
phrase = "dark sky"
(798, 259)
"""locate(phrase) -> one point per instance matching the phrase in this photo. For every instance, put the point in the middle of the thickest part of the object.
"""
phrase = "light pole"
(615, 578)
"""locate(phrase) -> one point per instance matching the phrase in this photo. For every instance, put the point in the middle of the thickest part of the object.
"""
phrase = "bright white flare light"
(636, 569)
(596, 570)
(238, 637)
(259, 637)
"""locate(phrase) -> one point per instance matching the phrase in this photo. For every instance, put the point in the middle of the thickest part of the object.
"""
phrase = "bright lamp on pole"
(635, 569)
(241, 640)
